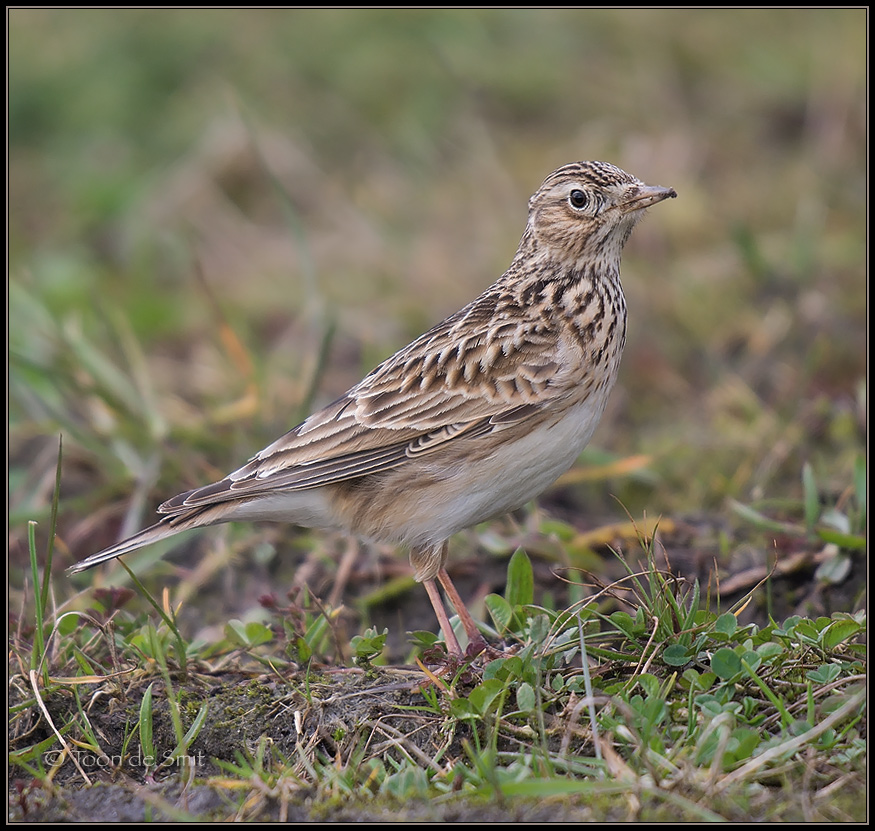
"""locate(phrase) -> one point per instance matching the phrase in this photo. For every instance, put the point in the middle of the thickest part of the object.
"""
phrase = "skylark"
(472, 419)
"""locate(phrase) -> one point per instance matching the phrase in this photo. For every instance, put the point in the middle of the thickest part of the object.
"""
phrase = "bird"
(473, 419)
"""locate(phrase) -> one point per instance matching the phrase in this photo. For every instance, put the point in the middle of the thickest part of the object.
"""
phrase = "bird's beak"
(648, 195)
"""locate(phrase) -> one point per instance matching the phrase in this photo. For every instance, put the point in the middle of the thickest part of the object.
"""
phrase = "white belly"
(509, 478)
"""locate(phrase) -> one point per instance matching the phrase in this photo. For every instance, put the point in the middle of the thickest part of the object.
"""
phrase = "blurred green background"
(218, 218)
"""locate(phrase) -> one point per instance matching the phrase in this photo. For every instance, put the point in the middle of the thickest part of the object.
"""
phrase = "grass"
(683, 709)
(220, 220)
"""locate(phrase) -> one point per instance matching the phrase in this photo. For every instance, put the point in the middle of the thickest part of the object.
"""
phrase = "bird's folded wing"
(411, 405)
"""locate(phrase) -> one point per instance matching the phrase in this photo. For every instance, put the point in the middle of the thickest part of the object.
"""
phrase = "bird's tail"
(156, 532)
(167, 527)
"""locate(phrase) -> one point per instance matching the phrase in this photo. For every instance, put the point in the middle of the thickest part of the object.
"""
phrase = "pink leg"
(437, 602)
(476, 642)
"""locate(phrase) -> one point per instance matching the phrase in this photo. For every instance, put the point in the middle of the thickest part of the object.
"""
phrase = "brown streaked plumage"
(472, 419)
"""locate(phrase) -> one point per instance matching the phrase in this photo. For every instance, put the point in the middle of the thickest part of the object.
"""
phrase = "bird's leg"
(430, 561)
(476, 641)
(434, 595)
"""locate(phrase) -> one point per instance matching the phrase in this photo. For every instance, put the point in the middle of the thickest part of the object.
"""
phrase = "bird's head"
(585, 211)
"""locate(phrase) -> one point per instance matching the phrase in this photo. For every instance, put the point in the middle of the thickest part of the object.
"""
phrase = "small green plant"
(306, 625)
(368, 647)
(839, 528)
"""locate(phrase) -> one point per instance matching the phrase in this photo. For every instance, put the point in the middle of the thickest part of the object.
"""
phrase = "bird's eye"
(578, 199)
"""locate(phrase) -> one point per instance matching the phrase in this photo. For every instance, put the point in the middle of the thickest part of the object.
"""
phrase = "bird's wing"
(478, 371)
